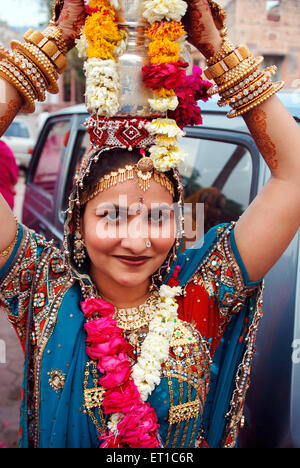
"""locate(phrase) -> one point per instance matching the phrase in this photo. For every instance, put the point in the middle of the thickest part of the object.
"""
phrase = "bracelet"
(55, 33)
(274, 88)
(248, 89)
(229, 62)
(48, 47)
(236, 71)
(36, 77)
(44, 64)
(21, 87)
(236, 80)
(226, 48)
(6, 252)
(26, 70)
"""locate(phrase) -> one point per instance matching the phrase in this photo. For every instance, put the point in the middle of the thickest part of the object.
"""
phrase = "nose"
(136, 237)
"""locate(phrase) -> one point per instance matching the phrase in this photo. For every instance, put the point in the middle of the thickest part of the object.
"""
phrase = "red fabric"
(9, 174)
(202, 311)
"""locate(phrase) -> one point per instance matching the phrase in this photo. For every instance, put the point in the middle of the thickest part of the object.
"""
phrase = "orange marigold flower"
(97, 29)
(165, 29)
(163, 51)
(164, 92)
(104, 50)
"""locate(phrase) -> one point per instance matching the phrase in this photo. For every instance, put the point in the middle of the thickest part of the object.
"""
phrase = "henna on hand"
(11, 111)
(257, 123)
(71, 20)
(201, 29)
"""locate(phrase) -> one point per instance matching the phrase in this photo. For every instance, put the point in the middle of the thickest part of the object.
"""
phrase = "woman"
(113, 357)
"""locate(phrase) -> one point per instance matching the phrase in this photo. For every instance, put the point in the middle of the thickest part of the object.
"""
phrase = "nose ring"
(148, 244)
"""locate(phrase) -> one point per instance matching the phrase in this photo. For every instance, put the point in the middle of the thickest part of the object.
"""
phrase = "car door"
(44, 175)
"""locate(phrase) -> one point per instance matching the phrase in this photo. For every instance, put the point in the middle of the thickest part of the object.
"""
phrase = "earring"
(79, 252)
(79, 244)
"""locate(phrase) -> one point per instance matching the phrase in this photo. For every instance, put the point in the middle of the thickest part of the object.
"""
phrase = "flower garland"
(101, 42)
(174, 91)
(177, 94)
(133, 423)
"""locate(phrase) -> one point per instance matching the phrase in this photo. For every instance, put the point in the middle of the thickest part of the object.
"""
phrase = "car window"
(50, 161)
(217, 175)
(17, 129)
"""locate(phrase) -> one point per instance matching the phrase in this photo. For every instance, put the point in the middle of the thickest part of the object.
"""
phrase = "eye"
(114, 216)
(159, 216)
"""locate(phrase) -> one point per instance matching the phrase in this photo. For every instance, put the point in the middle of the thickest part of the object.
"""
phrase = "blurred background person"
(9, 174)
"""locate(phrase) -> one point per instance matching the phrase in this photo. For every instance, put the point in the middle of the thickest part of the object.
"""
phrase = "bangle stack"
(239, 82)
(33, 67)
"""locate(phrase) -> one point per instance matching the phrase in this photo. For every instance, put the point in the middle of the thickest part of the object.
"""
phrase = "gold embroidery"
(93, 397)
(184, 411)
(57, 379)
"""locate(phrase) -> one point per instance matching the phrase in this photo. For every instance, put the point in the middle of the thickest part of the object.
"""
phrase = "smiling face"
(117, 226)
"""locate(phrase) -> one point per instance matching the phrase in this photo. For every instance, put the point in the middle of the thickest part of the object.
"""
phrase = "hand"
(71, 20)
(201, 29)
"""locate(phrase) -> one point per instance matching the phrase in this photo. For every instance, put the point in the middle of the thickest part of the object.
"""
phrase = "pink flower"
(109, 346)
(138, 428)
(187, 112)
(121, 399)
(110, 363)
(119, 376)
(166, 75)
(111, 441)
(91, 307)
(97, 329)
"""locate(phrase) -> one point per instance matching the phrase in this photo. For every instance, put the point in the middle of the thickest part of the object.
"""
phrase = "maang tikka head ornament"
(141, 91)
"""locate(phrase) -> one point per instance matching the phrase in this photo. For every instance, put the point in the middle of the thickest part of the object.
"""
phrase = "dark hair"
(112, 160)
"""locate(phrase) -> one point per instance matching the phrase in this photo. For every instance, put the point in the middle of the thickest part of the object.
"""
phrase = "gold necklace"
(137, 317)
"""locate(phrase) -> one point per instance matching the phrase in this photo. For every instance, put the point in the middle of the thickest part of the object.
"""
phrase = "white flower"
(114, 420)
(164, 104)
(94, 67)
(168, 291)
(167, 127)
(82, 45)
(157, 10)
(102, 101)
(165, 159)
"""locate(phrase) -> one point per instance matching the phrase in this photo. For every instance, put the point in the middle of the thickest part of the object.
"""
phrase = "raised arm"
(68, 21)
(269, 224)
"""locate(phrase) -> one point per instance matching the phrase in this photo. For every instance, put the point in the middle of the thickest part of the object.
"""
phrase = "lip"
(132, 261)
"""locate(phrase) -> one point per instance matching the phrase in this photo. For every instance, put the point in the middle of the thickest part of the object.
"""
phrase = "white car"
(18, 138)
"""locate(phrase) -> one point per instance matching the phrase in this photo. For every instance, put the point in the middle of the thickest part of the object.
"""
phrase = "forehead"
(133, 193)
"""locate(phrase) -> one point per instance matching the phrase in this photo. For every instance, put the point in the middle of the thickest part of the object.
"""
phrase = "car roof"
(213, 115)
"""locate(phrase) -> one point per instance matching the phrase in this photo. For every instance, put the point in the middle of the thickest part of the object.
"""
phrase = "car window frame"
(37, 154)
(232, 137)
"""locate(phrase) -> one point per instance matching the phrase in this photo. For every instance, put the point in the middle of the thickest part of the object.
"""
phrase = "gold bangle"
(10, 248)
(275, 87)
(55, 33)
(48, 47)
(230, 74)
(239, 55)
(247, 88)
(28, 71)
(42, 62)
(226, 48)
(234, 81)
(29, 105)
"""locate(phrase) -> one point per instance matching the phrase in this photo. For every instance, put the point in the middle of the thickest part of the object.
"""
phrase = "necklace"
(137, 317)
